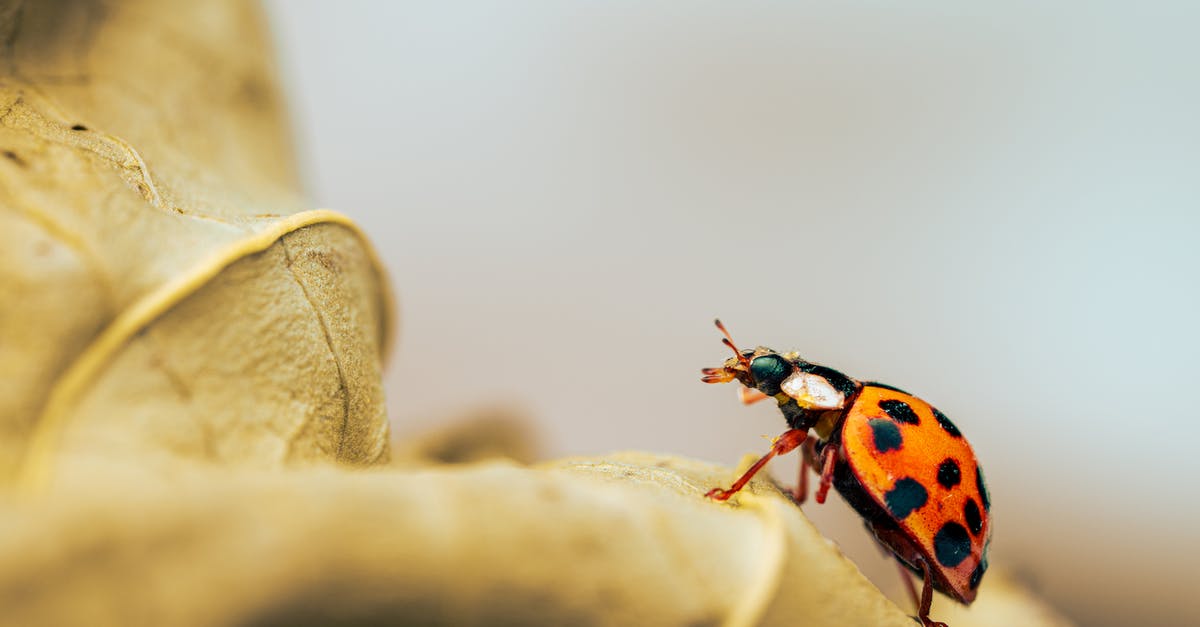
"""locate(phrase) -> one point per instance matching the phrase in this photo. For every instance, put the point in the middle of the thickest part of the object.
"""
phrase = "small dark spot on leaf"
(325, 260)
(15, 158)
(79, 127)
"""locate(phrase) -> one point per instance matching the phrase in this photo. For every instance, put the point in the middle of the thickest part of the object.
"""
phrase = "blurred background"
(995, 207)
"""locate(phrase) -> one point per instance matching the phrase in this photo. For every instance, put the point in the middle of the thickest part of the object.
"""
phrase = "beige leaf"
(180, 341)
(167, 294)
(623, 540)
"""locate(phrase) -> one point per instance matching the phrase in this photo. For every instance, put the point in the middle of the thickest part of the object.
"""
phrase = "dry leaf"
(623, 540)
(180, 340)
(165, 291)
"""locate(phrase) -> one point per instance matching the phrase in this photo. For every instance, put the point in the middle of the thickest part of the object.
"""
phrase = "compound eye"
(768, 372)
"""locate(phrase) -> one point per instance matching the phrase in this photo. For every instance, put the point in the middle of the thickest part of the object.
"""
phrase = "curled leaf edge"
(36, 467)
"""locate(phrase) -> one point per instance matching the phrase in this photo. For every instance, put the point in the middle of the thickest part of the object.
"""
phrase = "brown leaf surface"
(181, 341)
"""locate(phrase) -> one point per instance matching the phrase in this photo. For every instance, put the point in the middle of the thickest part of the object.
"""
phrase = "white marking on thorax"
(812, 391)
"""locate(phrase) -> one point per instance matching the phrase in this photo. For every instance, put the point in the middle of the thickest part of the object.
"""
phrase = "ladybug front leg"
(750, 397)
(808, 454)
(785, 443)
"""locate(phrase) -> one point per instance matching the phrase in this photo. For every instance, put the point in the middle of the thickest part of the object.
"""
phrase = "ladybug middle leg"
(785, 443)
(828, 462)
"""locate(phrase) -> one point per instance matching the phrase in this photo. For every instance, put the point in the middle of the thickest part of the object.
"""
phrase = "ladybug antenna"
(728, 341)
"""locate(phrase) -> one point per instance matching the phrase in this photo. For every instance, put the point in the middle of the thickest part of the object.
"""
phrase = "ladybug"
(897, 460)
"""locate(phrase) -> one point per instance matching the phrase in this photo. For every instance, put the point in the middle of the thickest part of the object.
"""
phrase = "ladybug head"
(812, 386)
(761, 368)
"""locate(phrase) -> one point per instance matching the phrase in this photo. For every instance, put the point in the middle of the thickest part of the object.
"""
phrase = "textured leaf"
(181, 342)
(166, 292)
(623, 540)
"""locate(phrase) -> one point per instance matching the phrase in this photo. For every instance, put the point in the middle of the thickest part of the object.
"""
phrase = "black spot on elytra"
(949, 474)
(886, 434)
(899, 411)
(980, 569)
(852, 490)
(974, 518)
(907, 496)
(951, 545)
(946, 424)
(983, 493)
(79, 127)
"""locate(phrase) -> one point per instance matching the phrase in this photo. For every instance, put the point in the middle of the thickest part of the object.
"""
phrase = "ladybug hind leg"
(894, 544)
(906, 577)
(926, 598)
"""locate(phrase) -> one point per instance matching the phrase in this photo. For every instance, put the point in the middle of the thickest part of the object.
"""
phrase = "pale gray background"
(995, 208)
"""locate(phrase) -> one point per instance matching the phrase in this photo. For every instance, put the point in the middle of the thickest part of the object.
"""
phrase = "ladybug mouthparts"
(717, 375)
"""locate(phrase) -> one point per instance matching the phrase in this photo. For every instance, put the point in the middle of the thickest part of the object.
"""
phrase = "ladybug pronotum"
(897, 460)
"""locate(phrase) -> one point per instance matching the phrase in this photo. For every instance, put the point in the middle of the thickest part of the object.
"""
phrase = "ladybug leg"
(926, 598)
(903, 549)
(906, 577)
(786, 442)
(828, 459)
(750, 397)
(808, 454)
